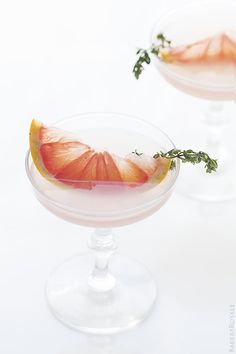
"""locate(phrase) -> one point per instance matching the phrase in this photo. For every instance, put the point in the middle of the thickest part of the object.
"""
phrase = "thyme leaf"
(144, 54)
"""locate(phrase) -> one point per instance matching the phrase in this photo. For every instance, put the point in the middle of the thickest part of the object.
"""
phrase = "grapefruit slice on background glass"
(220, 48)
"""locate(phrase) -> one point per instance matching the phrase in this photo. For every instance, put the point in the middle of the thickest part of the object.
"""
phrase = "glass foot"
(77, 304)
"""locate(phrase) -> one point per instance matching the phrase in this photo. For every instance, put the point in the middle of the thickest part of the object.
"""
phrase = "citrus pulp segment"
(60, 157)
(220, 48)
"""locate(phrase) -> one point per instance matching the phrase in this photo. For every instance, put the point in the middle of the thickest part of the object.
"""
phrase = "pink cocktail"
(84, 292)
(214, 81)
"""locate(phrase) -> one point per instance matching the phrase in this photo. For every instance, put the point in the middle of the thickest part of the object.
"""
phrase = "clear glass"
(184, 25)
(102, 292)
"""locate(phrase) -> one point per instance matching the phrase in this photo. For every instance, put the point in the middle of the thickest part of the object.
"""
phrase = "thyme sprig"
(189, 156)
(144, 54)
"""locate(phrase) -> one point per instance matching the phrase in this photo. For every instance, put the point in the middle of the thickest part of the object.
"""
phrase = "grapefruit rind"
(34, 139)
(165, 167)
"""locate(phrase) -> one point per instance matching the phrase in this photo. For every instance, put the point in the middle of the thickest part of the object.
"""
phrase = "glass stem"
(101, 344)
(103, 244)
(216, 121)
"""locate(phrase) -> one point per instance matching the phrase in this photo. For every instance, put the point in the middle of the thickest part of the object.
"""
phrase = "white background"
(59, 58)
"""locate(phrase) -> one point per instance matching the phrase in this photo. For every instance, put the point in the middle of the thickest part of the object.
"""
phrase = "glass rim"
(81, 212)
(168, 13)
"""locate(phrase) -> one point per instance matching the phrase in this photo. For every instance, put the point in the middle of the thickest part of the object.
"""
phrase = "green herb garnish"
(144, 57)
(189, 156)
(137, 153)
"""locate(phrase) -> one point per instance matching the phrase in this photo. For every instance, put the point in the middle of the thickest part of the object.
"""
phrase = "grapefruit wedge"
(220, 48)
(60, 157)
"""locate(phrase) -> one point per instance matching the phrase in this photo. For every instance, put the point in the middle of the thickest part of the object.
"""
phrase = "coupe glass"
(217, 84)
(100, 291)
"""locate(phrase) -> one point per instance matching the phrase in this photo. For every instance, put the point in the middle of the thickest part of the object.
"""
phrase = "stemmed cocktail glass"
(100, 291)
(215, 82)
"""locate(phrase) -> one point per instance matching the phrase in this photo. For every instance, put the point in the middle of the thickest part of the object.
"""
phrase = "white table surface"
(64, 57)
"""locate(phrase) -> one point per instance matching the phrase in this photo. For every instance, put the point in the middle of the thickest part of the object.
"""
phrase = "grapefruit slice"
(220, 48)
(60, 157)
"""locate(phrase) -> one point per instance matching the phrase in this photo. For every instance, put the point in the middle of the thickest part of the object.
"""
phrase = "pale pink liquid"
(217, 82)
(106, 205)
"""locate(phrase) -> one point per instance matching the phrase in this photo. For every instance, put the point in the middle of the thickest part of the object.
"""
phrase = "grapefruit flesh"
(60, 157)
(220, 48)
